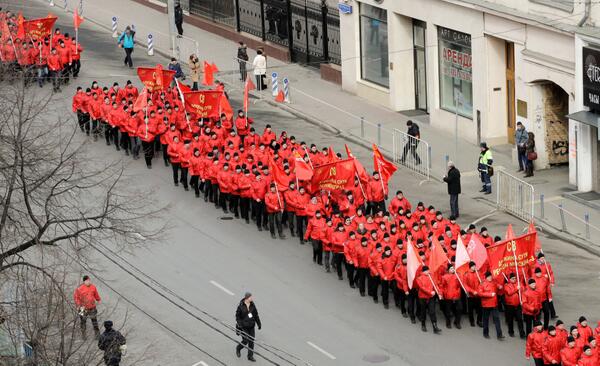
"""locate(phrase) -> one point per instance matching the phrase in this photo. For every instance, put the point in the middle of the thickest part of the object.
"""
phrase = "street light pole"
(172, 28)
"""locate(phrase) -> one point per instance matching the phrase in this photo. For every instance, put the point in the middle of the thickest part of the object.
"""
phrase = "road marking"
(321, 350)
(219, 286)
(201, 363)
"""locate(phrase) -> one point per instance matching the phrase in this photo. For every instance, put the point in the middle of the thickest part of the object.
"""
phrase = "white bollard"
(274, 84)
(114, 27)
(150, 45)
(51, 2)
(286, 90)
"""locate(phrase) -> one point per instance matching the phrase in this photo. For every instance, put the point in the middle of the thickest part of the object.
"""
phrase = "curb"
(570, 238)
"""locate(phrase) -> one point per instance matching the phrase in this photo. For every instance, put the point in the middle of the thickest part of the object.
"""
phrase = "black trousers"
(374, 286)
(512, 314)
(493, 312)
(114, 131)
(75, 67)
(93, 315)
(195, 185)
(361, 276)
(208, 190)
(125, 142)
(179, 28)
(427, 307)
(454, 205)
(223, 199)
(176, 167)
(243, 72)
(385, 291)
(400, 298)
(338, 259)
(128, 61)
(275, 222)
(245, 208)
(411, 146)
(247, 340)
(373, 207)
(546, 313)
(148, 152)
(289, 215)
(184, 177)
(474, 305)
(413, 303)
(82, 119)
(450, 308)
(528, 320)
(317, 251)
(350, 269)
(258, 211)
(300, 224)
(234, 204)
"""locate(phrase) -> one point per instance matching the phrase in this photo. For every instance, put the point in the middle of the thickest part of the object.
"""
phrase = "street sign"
(345, 8)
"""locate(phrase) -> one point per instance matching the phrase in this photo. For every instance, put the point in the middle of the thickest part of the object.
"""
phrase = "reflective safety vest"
(485, 157)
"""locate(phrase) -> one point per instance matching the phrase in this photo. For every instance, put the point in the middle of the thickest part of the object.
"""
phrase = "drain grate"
(226, 218)
(375, 358)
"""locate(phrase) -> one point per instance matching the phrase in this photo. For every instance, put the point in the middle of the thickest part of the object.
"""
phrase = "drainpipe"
(586, 15)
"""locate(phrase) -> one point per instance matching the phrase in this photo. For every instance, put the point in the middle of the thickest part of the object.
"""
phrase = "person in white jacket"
(260, 69)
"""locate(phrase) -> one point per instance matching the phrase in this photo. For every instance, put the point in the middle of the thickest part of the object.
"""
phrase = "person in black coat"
(179, 19)
(452, 178)
(246, 318)
(112, 343)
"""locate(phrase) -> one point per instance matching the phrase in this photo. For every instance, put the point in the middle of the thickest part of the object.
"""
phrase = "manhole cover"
(226, 217)
(375, 358)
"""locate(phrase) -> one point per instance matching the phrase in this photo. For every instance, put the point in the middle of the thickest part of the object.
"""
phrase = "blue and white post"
(150, 45)
(274, 84)
(114, 27)
(286, 90)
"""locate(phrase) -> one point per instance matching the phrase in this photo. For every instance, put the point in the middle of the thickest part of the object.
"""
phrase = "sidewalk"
(325, 104)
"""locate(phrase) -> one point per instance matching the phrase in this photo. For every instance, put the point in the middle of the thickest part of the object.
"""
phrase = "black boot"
(423, 327)
(436, 330)
(448, 324)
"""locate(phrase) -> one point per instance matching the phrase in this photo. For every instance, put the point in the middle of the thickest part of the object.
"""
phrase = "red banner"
(203, 104)
(338, 176)
(38, 28)
(149, 76)
(501, 256)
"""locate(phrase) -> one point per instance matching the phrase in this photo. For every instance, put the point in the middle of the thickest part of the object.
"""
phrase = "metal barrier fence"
(411, 152)
(514, 196)
(559, 216)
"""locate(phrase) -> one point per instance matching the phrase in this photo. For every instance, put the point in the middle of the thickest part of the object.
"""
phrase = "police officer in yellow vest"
(485, 168)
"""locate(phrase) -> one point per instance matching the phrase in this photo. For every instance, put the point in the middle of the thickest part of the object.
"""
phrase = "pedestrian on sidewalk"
(520, 141)
(179, 19)
(194, 65)
(531, 154)
(452, 178)
(242, 56)
(414, 136)
(113, 344)
(127, 41)
(246, 318)
(175, 66)
(485, 168)
(260, 70)
(86, 298)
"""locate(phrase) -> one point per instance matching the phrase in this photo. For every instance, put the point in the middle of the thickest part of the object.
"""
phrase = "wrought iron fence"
(220, 11)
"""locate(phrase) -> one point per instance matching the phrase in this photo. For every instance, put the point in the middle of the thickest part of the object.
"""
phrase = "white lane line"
(201, 363)
(320, 350)
(219, 286)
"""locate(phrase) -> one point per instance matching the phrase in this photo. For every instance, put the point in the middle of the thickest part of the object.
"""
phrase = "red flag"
(384, 167)
(502, 255)
(531, 229)
(142, 101)
(461, 257)
(332, 177)
(77, 20)
(39, 28)
(155, 78)
(360, 169)
(302, 168)
(332, 155)
(510, 234)
(280, 97)
(437, 256)
(249, 85)
(183, 88)
(203, 104)
(5, 33)
(477, 251)
(209, 78)
(279, 177)
(20, 26)
(226, 107)
(413, 263)
(214, 67)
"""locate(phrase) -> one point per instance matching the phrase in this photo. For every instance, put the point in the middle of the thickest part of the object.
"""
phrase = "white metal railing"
(514, 195)
(412, 152)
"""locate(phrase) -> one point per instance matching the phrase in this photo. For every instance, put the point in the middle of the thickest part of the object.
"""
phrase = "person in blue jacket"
(127, 42)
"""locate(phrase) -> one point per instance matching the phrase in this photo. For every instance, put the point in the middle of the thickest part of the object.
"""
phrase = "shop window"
(456, 76)
(374, 55)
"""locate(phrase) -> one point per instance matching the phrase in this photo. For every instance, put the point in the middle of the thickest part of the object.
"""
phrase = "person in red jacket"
(549, 274)
(302, 201)
(401, 291)
(471, 283)
(488, 292)
(376, 194)
(54, 69)
(512, 306)
(451, 292)
(552, 347)
(76, 51)
(535, 343)
(531, 305)
(224, 184)
(274, 207)
(245, 189)
(174, 152)
(587, 357)
(569, 354)
(386, 267)
(339, 240)
(374, 279)
(315, 231)
(399, 201)
(242, 125)
(86, 299)
(291, 205)
(361, 262)
(66, 60)
(427, 299)
(146, 134)
(196, 162)
(584, 329)
(349, 249)
(259, 190)
(542, 286)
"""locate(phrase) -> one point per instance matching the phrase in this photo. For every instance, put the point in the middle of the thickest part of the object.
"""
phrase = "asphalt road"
(172, 291)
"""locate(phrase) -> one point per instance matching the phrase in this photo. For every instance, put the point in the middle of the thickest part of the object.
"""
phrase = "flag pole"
(278, 198)
(309, 160)
(435, 287)
(360, 185)
(517, 270)
(381, 177)
(187, 118)
(461, 283)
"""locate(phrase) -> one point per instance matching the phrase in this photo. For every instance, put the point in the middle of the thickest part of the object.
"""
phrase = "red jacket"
(397, 203)
(471, 282)
(450, 287)
(224, 180)
(375, 190)
(361, 256)
(586, 360)
(585, 332)
(569, 356)
(54, 63)
(541, 286)
(315, 229)
(535, 344)
(374, 259)
(86, 297)
(401, 277)
(259, 189)
(531, 302)
(423, 283)
(245, 186)
(174, 152)
(338, 239)
(488, 291)
(386, 267)
(511, 294)
(273, 202)
(551, 349)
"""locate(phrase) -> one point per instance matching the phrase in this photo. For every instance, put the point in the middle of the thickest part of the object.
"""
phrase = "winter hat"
(108, 324)
(551, 328)
(582, 319)
(537, 323)
(538, 270)
(570, 339)
(531, 280)
(540, 255)
(247, 295)
(425, 268)
(573, 327)
(559, 322)
(488, 274)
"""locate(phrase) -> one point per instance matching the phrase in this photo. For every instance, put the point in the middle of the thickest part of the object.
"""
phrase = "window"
(455, 71)
(374, 45)
(566, 5)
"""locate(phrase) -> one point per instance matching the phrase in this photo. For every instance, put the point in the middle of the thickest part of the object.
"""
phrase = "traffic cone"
(280, 97)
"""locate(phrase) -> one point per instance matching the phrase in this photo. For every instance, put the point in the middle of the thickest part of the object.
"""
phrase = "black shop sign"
(591, 78)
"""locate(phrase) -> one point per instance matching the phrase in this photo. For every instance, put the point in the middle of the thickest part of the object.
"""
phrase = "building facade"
(486, 64)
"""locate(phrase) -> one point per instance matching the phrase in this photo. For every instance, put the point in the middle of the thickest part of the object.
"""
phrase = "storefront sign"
(345, 8)
(591, 78)
(456, 64)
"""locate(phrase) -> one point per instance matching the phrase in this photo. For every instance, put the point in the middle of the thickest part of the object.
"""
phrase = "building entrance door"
(510, 92)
